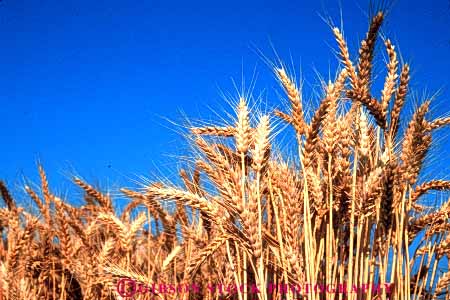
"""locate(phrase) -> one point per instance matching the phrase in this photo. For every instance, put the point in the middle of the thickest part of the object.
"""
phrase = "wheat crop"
(343, 218)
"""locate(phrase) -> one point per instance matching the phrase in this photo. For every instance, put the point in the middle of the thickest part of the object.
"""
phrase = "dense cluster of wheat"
(346, 212)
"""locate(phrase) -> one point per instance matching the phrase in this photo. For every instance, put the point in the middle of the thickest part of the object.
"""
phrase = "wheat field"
(343, 218)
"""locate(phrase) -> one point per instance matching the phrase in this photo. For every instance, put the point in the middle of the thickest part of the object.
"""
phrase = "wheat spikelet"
(399, 101)
(366, 57)
(391, 77)
(438, 123)
(6, 196)
(345, 56)
(295, 99)
(431, 185)
(102, 199)
(243, 129)
(213, 130)
(260, 153)
(209, 250)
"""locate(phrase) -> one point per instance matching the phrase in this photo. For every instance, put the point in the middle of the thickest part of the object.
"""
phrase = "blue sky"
(87, 85)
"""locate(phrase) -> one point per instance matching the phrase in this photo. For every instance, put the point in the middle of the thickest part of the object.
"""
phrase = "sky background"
(86, 86)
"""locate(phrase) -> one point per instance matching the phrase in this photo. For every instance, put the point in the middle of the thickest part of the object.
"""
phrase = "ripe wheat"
(346, 212)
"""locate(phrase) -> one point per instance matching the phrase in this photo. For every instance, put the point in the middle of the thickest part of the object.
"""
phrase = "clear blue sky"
(87, 84)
